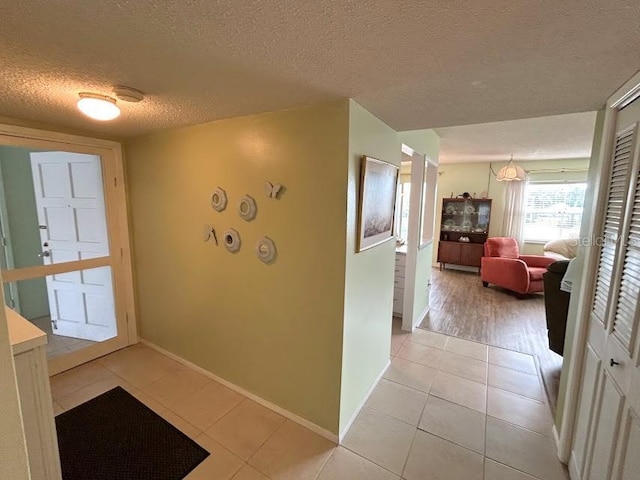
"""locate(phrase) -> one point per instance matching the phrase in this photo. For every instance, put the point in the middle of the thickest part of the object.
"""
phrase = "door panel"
(82, 304)
(586, 408)
(612, 353)
(53, 182)
(615, 208)
(629, 460)
(73, 226)
(626, 321)
(606, 430)
(70, 205)
(87, 183)
(622, 372)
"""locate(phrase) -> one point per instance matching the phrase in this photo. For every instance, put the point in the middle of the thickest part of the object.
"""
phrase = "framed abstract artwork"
(378, 183)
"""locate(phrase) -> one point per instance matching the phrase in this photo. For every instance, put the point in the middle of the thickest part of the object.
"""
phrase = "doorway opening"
(414, 227)
(64, 246)
(557, 168)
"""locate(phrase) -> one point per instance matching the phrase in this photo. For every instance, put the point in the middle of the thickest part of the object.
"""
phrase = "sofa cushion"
(535, 273)
(567, 247)
(505, 247)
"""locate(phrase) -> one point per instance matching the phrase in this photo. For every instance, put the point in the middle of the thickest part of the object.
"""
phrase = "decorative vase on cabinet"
(464, 228)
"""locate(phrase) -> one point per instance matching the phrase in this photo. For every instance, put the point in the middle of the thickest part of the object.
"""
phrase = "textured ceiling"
(415, 64)
(546, 138)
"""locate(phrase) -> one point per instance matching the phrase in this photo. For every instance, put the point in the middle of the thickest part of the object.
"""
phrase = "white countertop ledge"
(23, 334)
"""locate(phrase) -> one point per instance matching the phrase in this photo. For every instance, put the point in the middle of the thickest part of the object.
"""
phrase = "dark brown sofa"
(556, 304)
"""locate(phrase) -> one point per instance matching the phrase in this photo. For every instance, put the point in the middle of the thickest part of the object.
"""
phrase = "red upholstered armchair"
(502, 265)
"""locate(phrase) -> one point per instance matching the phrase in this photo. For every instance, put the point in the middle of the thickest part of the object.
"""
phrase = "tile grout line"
(537, 401)
(406, 460)
(514, 468)
(259, 448)
(486, 421)
(324, 465)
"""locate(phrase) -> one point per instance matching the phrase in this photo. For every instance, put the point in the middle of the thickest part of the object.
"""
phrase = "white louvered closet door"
(615, 206)
(607, 436)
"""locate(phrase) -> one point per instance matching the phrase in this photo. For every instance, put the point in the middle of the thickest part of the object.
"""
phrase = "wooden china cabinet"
(464, 227)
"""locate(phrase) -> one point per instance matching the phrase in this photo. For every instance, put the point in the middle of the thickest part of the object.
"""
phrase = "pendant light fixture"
(511, 173)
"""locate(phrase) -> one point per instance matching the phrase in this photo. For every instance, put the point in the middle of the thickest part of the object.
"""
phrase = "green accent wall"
(19, 196)
(369, 274)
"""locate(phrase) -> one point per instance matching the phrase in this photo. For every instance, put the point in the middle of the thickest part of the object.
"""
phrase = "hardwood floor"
(462, 307)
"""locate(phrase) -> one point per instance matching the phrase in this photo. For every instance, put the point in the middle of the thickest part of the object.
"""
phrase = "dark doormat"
(116, 437)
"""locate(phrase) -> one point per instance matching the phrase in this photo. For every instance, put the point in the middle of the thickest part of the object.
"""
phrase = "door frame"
(120, 258)
(629, 92)
(415, 242)
(7, 246)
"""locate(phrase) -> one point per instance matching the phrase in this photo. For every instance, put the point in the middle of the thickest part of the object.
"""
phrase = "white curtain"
(513, 221)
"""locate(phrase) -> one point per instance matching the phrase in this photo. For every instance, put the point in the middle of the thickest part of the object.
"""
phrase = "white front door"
(72, 220)
(607, 435)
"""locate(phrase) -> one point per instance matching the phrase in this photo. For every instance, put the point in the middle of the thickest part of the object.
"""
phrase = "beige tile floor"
(446, 409)
(58, 344)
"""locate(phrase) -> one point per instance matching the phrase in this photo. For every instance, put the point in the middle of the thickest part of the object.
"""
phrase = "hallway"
(462, 307)
(446, 409)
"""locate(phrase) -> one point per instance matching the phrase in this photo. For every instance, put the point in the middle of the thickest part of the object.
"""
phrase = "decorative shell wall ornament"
(209, 233)
(266, 250)
(231, 240)
(247, 208)
(272, 190)
(219, 199)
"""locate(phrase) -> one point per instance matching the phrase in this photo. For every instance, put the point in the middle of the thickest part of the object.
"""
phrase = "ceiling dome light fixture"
(511, 173)
(98, 107)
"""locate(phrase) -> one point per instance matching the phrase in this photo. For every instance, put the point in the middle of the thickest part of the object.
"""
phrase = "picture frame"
(377, 203)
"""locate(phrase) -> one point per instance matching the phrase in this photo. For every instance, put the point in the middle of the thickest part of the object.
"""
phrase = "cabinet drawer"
(397, 303)
(397, 307)
(401, 259)
(398, 294)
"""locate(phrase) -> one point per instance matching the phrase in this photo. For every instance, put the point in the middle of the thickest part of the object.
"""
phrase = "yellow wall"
(369, 274)
(275, 330)
(457, 178)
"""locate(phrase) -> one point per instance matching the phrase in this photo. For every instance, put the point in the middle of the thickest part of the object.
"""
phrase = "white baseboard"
(422, 316)
(265, 403)
(556, 438)
(364, 400)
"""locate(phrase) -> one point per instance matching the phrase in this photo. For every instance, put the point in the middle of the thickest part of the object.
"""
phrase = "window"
(553, 210)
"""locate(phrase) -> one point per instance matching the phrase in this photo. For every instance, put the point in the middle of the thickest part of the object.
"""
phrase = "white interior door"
(607, 434)
(72, 219)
